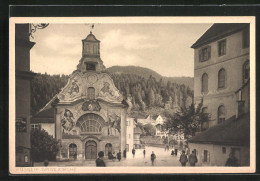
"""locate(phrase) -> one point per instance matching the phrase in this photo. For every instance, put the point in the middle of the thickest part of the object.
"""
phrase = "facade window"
(222, 48)
(20, 124)
(90, 66)
(26, 159)
(88, 48)
(90, 123)
(246, 39)
(205, 157)
(35, 126)
(204, 83)
(91, 93)
(205, 124)
(246, 71)
(72, 150)
(221, 114)
(204, 54)
(222, 78)
(224, 150)
(95, 49)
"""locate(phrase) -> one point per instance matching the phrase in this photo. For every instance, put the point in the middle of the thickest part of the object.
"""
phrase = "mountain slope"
(146, 72)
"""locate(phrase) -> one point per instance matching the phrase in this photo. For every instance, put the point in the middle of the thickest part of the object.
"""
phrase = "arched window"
(90, 123)
(91, 93)
(204, 83)
(246, 71)
(221, 78)
(221, 114)
(73, 151)
(204, 124)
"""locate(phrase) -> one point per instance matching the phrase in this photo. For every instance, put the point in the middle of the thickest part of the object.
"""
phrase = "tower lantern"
(91, 60)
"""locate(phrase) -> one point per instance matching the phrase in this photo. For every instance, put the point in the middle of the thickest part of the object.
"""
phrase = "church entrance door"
(91, 150)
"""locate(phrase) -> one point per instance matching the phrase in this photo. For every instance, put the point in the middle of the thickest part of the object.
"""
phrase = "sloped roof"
(217, 31)
(231, 132)
(137, 130)
(44, 116)
(91, 37)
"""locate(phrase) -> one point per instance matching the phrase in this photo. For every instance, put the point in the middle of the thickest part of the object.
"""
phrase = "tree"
(187, 120)
(43, 146)
(149, 129)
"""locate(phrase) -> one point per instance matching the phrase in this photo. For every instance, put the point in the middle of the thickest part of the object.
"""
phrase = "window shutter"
(209, 52)
(200, 55)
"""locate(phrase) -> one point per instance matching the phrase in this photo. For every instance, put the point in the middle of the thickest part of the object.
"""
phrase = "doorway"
(91, 150)
(108, 148)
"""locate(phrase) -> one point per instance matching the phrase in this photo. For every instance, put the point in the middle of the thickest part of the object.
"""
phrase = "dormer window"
(90, 66)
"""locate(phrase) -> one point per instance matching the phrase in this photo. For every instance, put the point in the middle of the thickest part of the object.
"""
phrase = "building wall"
(22, 92)
(116, 138)
(232, 62)
(216, 156)
(49, 128)
(130, 133)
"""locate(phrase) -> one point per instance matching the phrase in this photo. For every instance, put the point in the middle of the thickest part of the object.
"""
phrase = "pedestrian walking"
(172, 153)
(183, 159)
(133, 152)
(232, 161)
(119, 155)
(124, 153)
(193, 159)
(99, 161)
(153, 157)
(175, 151)
(144, 153)
(113, 156)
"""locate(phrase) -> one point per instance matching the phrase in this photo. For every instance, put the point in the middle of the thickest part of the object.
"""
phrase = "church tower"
(90, 60)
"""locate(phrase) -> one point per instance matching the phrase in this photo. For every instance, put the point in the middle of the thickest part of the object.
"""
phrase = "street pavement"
(163, 158)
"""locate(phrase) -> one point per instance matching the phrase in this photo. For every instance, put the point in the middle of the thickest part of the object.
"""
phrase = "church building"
(89, 112)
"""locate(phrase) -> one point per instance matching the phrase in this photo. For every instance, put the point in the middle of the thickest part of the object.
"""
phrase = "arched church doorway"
(108, 148)
(73, 151)
(91, 150)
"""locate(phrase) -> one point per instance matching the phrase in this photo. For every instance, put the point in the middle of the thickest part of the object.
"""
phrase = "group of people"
(192, 159)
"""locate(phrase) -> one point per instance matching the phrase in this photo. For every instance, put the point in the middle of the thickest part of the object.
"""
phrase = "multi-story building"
(23, 78)
(221, 75)
(130, 125)
(221, 67)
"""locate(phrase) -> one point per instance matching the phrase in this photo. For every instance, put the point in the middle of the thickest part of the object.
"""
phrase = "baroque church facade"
(90, 113)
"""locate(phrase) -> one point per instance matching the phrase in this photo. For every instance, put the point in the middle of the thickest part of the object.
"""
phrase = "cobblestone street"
(163, 158)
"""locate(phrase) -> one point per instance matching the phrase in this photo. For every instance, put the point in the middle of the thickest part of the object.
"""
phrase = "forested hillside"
(145, 72)
(146, 92)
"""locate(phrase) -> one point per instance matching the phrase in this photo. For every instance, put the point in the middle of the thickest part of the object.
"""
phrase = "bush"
(43, 146)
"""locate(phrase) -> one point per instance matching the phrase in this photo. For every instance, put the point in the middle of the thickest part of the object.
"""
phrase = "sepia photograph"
(132, 95)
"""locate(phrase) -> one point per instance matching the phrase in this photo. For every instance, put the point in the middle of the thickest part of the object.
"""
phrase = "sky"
(164, 48)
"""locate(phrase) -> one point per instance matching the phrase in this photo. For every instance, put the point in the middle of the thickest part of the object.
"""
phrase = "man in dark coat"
(183, 159)
(232, 161)
(133, 152)
(193, 159)
(144, 152)
(153, 157)
(99, 161)
(119, 155)
(124, 153)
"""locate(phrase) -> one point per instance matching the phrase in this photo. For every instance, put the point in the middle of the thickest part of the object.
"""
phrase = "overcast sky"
(164, 48)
